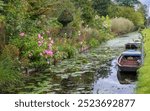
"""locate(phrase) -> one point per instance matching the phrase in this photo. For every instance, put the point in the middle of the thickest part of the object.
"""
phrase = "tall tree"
(87, 11)
(101, 6)
(127, 2)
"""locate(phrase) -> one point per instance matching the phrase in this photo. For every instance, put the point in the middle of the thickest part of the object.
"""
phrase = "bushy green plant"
(87, 12)
(2, 35)
(9, 69)
(121, 25)
(93, 42)
(37, 48)
(67, 48)
(16, 14)
(137, 17)
(101, 6)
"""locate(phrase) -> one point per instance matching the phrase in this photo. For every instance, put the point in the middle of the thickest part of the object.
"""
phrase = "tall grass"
(143, 85)
(121, 25)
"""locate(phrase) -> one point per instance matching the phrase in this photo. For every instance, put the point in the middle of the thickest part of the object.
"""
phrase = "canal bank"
(93, 71)
(143, 85)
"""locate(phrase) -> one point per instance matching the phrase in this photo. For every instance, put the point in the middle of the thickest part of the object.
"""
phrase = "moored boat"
(132, 46)
(129, 61)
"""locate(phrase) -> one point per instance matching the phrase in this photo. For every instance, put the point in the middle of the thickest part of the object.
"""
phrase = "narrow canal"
(94, 71)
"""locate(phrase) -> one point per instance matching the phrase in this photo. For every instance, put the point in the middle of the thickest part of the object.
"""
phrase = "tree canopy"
(101, 6)
(127, 2)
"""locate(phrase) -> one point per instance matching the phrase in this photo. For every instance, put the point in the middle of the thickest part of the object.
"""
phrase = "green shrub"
(68, 49)
(36, 50)
(121, 25)
(9, 69)
(137, 17)
(93, 42)
(2, 35)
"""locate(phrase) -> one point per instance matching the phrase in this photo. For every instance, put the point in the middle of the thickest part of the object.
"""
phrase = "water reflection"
(80, 84)
(109, 81)
(126, 77)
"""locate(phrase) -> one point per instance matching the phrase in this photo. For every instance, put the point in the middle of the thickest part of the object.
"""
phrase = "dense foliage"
(44, 32)
(130, 3)
(101, 6)
(144, 72)
(137, 17)
(9, 72)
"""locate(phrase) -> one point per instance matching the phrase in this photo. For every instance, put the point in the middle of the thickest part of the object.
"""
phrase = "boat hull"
(127, 69)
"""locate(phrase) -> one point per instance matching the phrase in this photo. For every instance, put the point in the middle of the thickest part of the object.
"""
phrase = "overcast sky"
(146, 2)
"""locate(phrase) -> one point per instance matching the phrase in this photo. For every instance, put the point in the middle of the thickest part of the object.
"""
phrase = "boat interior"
(130, 60)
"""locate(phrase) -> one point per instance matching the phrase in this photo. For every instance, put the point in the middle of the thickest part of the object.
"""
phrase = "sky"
(146, 2)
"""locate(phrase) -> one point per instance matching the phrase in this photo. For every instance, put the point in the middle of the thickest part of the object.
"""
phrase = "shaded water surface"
(114, 82)
(94, 71)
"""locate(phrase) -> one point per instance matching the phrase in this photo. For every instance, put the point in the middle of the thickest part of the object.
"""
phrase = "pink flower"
(49, 52)
(39, 43)
(49, 45)
(52, 41)
(39, 36)
(22, 34)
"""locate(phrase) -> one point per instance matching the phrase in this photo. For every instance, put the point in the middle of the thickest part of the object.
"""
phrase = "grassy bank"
(143, 86)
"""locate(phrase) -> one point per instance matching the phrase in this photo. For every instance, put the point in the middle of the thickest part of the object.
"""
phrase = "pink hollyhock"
(49, 52)
(22, 34)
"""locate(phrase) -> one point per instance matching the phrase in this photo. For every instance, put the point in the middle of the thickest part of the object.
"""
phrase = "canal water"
(94, 71)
